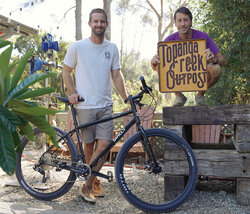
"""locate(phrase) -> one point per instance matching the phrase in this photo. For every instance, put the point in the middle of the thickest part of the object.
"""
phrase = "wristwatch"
(216, 61)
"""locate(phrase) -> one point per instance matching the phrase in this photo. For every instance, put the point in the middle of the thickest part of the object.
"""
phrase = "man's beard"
(99, 34)
(187, 30)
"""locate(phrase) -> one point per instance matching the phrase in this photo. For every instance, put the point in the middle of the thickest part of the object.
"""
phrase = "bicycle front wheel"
(146, 184)
(39, 169)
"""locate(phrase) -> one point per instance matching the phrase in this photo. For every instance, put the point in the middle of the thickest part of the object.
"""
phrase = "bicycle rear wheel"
(146, 186)
(38, 168)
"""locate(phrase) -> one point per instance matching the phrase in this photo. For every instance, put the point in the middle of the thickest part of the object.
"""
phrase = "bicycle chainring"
(86, 171)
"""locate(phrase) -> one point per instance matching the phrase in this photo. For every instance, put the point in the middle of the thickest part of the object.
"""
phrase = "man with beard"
(215, 59)
(95, 61)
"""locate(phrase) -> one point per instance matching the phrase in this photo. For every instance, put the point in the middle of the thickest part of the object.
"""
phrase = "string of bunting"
(27, 4)
(30, 4)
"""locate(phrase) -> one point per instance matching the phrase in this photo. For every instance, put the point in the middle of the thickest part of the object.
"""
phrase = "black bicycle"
(47, 172)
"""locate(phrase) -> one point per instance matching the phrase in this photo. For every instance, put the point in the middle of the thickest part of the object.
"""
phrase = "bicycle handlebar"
(66, 100)
(137, 98)
(144, 89)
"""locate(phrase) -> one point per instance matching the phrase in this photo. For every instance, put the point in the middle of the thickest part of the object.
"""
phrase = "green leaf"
(1, 93)
(7, 84)
(10, 68)
(25, 108)
(4, 62)
(4, 43)
(7, 150)
(25, 84)
(27, 130)
(41, 123)
(35, 111)
(17, 142)
(8, 119)
(24, 127)
(21, 92)
(31, 103)
(36, 93)
(4, 59)
(20, 68)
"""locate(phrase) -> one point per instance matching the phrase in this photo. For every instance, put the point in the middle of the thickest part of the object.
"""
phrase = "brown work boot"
(86, 193)
(97, 190)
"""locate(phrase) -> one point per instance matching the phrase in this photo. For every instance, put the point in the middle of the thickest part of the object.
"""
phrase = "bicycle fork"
(151, 164)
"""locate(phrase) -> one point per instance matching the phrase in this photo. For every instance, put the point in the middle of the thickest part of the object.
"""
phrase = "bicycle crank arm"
(72, 168)
(109, 175)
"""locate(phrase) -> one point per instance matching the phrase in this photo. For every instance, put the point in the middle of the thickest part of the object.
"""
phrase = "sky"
(50, 15)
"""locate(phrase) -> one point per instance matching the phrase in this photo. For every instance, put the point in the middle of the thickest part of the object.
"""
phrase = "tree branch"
(171, 24)
(153, 8)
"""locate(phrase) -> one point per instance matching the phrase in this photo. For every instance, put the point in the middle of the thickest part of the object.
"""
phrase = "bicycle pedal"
(110, 175)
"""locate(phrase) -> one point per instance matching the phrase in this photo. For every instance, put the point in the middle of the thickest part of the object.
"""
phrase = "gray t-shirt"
(93, 65)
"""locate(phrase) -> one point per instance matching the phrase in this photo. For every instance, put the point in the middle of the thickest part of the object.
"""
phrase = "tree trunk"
(78, 17)
(106, 8)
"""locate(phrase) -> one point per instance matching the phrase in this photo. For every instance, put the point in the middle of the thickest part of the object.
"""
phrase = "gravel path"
(210, 196)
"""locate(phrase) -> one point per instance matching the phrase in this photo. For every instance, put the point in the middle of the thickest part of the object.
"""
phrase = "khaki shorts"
(101, 131)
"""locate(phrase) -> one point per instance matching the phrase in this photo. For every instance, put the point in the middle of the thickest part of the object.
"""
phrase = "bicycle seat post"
(77, 131)
(73, 114)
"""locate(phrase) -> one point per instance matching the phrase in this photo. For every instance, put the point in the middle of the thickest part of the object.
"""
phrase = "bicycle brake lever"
(147, 90)
(81, 99)
(126, 100)
(139, 104)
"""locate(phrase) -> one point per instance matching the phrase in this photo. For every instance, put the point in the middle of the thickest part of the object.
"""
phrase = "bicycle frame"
(134, 120)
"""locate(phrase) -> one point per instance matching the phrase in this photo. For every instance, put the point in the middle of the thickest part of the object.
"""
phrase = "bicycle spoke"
(38, 168)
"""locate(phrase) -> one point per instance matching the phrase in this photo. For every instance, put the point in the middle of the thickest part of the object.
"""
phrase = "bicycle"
(47, 172)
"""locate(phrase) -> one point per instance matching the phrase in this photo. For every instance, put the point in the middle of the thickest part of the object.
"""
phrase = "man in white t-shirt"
(95, 61)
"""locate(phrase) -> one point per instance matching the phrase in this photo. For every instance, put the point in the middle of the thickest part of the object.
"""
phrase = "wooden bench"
(218, 160)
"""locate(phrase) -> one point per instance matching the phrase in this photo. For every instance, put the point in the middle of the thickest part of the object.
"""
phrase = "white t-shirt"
(93, 65)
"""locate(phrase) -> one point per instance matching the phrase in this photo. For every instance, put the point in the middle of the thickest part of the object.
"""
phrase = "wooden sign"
(183, 65)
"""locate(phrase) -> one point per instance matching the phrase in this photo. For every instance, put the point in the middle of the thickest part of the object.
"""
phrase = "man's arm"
(221, 58)
(118, 81)
(218, 58)
(69, 82)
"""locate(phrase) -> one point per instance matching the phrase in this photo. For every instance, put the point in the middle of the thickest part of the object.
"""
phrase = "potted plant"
(17, 112)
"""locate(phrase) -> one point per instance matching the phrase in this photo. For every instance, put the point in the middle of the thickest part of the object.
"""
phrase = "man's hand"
(155, 62)
(73, 98)
(210, 56)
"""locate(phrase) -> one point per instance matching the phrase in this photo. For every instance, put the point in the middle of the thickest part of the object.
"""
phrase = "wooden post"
(174, 186)
(242, 142)
(243, 191)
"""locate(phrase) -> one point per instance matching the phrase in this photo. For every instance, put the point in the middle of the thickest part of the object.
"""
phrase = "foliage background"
(225, 21)
(17, 113)
(228, 24)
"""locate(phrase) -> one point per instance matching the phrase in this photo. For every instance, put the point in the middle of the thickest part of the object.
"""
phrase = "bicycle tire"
(56, 181)
(144, 188)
